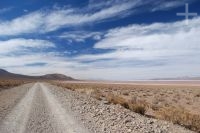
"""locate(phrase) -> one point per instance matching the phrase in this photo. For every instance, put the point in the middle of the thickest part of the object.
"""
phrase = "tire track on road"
(15, 122)
(10, 97)
(62, 119)
(40, 111)
(41, 118)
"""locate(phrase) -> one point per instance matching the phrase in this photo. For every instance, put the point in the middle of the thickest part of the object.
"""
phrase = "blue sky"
(100, 39)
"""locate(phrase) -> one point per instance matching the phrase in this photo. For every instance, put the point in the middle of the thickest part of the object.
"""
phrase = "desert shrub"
(197, 95)
(181, 117)
(5, 84)
(125, 93)
(97, 94)
(138, 108)
(117, 100)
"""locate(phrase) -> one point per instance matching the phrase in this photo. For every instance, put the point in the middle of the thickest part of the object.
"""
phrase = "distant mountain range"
(7, 75)
(179, 78)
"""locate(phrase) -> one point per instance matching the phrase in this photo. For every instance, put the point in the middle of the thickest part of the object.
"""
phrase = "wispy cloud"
(30, 23)
(166, 5)
(4, 10)
(81, 36)
(47, 20)
(18, 45)
(33, 56)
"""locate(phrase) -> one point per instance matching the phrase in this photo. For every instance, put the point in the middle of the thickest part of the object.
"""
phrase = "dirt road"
(44, 108)
(39, 112)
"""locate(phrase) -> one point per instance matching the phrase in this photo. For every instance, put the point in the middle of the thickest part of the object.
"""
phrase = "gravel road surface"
(37, 112)
(44, 108)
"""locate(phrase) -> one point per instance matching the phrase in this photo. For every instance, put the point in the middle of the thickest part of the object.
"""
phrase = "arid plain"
(99, 106)
(177, 101)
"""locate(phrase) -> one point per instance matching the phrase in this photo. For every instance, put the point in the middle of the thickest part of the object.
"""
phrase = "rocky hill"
(7, 75)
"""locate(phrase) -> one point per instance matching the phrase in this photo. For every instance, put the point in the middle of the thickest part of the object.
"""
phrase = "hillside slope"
(7, 75)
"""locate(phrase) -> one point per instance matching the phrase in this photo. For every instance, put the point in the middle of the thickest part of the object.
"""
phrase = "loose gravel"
(44, 108)
(101, 117)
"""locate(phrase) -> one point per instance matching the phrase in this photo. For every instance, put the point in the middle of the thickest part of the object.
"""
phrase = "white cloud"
(97, 5)
(81, 36)
(50, 20)
(53, 63)
(155, 50)
(26, 24)
(43, 21)
(23, 45)
(100, 71)
(19, 55)
(166, 5)
(153, 41)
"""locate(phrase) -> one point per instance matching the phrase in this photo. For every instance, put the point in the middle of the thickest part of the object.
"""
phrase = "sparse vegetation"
(180, 116)
(198, 95)
(164, 102)
(5, 84)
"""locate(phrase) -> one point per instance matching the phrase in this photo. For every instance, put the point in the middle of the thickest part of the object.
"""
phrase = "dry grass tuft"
(161, 103)
(97, 94)
(5, 84)
(117, 100)
(138, 107)
(180, 117)
(198, 95)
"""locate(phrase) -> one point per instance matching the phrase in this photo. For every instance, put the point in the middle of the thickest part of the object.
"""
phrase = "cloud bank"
(135, 51)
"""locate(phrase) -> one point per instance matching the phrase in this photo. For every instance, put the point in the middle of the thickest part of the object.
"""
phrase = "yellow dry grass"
(180, 116)
(164, 102)
(4, 84)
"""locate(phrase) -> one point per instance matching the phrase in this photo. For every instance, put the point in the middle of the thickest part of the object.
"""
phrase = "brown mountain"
(7, 75)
